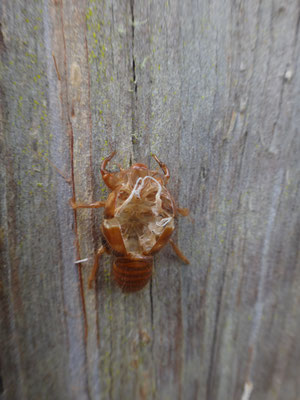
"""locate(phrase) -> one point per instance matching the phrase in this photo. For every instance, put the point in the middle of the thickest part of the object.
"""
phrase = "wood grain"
(212, 88)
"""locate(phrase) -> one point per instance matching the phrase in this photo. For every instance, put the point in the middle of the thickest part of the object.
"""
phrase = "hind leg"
(92, 276)
(179, 252)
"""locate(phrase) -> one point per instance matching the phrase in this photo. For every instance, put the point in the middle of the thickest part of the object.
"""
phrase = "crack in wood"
(134, 139)
(71, 143)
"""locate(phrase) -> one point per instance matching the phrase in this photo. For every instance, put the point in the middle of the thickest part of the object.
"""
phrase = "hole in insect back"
(151, 196)
(143, 209)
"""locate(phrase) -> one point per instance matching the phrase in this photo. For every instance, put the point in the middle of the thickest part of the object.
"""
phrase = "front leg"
(96, 204)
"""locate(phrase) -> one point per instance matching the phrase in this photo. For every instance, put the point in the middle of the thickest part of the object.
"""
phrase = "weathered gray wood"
(212, 87)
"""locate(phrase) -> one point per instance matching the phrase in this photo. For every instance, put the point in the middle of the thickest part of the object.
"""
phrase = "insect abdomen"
(132, 274)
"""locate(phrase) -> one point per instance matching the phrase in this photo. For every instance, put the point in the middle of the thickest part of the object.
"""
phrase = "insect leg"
(163, 167)
(178, 252)
(183, 211)
(105, 161)
(96, 204)
(107, 176)
(99, 253)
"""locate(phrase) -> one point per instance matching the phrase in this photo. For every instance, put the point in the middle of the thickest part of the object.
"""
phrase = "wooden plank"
(212, 88)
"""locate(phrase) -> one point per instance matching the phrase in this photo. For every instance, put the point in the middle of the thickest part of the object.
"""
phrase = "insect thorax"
(143, 210)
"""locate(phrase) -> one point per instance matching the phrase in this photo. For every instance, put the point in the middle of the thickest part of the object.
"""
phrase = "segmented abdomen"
(132, 274)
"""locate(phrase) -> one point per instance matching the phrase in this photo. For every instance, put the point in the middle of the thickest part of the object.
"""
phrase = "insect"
(138, 221)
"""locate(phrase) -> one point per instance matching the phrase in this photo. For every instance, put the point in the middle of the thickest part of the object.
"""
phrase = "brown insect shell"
(114, 234)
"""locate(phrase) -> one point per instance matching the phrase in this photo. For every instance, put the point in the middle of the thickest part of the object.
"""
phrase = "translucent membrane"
(137, 190)
(142, 213)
